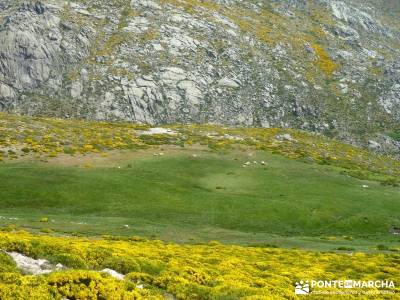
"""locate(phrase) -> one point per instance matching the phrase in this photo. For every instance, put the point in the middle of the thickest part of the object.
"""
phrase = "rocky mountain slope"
(326, 66)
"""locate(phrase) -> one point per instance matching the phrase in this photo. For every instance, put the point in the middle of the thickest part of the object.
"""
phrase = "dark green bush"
(68, 260)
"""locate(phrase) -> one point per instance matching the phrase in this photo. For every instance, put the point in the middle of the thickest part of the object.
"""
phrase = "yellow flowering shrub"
(155, 269)
(323, 61)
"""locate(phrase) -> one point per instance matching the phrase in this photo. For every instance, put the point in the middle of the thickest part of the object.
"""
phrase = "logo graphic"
(302, 288)
(348, 284)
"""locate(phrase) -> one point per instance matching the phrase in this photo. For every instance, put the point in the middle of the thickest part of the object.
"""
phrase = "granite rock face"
(31, 266)
(325, 66)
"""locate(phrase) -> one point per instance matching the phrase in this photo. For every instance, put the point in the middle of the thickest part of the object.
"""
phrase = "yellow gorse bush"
(212, 271)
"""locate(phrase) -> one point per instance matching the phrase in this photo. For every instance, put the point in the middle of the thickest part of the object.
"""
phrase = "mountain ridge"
(323, 66)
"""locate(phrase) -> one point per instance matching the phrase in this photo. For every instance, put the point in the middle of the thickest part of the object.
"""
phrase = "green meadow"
(195, 195)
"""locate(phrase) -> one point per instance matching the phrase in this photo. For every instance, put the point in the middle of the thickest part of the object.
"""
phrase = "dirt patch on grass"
(115, 157)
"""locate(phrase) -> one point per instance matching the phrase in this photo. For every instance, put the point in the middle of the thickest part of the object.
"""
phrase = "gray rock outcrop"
(325, 66)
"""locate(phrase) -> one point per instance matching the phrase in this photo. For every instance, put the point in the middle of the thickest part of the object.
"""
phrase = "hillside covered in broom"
(113, 210)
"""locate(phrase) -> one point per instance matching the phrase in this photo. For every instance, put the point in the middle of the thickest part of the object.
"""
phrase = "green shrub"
(69, 260)
(363, 175)
(21, 247)
(96, 257)
(122, 265)
(6, 263)
(382, 247)
(140, 277)
(153, 267)
(390, 181)
(342, 248)
(395, 135)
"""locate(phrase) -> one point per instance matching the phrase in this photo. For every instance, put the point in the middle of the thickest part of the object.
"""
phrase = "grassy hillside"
(169, 210)
(196, 195)
(49, 137)
(195, 183)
